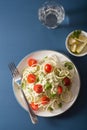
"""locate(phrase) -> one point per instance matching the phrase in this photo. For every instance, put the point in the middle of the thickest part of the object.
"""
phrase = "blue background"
(22, 33)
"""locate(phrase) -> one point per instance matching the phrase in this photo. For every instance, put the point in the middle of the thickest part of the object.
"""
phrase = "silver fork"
(17, 78)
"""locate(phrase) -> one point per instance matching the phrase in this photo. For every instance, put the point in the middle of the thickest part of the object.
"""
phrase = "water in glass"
(51, 14)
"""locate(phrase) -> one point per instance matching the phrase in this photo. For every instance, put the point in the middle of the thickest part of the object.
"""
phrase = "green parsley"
(76, 34)
(48, 86)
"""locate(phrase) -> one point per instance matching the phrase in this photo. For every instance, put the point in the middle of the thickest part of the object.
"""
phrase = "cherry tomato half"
(48, 68)
(32, 62)
(38, 88)
(34, 106)
(31, 78)
(67, 81)
(45, 100)
(60, 89)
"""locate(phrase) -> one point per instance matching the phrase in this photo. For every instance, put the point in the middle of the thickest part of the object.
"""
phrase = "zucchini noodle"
(50, 82)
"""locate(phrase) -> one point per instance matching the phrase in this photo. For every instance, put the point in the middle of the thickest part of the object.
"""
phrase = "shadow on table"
(80, 105)
(77, 17)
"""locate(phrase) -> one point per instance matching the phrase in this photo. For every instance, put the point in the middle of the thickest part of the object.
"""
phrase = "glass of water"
(51, 14)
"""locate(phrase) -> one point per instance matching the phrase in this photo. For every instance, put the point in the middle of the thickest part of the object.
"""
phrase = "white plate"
(75, 85)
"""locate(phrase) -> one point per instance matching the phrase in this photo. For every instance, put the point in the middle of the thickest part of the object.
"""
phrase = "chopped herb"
(48, 86)
(38, 79)
(23, 85)
(60, 105)
(76, 34)
(50, 108)
(52, 95)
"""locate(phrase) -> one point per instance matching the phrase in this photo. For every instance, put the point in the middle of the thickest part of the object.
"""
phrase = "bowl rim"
(66, 44)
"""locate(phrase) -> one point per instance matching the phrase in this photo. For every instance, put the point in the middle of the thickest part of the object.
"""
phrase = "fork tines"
(13, 69)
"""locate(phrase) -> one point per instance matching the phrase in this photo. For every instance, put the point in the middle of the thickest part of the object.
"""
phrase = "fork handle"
(31, 112)
(32, 115)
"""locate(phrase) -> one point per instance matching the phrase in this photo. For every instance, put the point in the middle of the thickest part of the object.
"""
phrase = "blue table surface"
(22, 33)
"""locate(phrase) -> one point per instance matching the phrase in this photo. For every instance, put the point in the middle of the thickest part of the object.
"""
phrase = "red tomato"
(32, 62)
(45, 100)
(48, 68)
(31, 78)
(38, 88)
(60, 89)
(34, 106)
(66, 81)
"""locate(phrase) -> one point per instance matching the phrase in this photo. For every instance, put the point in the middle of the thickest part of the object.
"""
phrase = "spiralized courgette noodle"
(55, 78)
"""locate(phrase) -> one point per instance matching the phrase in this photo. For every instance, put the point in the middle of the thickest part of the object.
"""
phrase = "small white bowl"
(83, 52)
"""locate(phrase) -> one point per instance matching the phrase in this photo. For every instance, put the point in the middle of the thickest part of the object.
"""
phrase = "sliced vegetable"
(73, 48)
(71, 41)
(69, 65)
(60, 89)
(32, 62)
(31, 78)
(34, 106)
(67, 81)
(48, 68)
(45, 100)
(38, 88)
(81, 47)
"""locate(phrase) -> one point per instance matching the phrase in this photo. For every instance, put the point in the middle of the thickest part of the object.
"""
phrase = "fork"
(17, 79)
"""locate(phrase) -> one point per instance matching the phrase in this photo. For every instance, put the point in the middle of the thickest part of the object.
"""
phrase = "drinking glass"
(51, 14)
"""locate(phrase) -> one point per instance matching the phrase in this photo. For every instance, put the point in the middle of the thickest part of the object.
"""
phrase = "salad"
(77, 42)
(47, 82)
